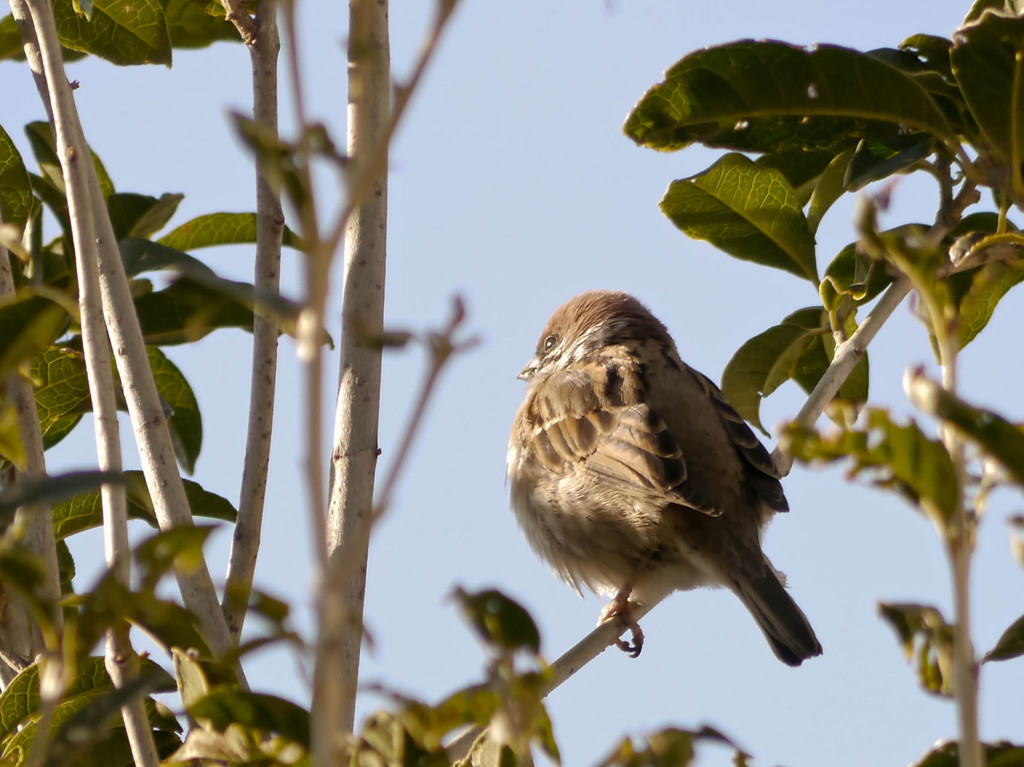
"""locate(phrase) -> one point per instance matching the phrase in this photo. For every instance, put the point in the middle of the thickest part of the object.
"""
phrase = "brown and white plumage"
(631, 474)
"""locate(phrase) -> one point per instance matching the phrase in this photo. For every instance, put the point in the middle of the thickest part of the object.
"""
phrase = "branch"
(16, 639)
(245, 541)
(248, 28)
(144, 406)
(571, 661)
(354, 451)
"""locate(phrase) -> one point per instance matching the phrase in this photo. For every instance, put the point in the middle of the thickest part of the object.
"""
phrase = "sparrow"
(632, 476)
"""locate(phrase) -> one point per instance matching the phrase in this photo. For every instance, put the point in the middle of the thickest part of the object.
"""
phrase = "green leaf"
(220, 229)
(193, 24)
(62, 392)
(670, 746)
(801, 169)
(44, 147)
(876, 160)
(85, 512)
(16, 199)
(749, 211)
(895, 456)
(830, 187)
(186, 311)
(981, 290)
(20, 699)
(185, 422)
(852, 279)
(499, 621)
(139, 215)
(998, 437)
(794, 349)
(924, 634)
(65, 568)
(28, 324)
(122, 33)
(988, 62)
(256, 711)
(1010, 644)
(768, 96)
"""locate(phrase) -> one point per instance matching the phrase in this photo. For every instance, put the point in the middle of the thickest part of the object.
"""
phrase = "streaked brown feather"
(627, 443)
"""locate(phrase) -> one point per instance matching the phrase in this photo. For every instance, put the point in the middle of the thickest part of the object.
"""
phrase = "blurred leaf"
(671, 746)
(1016, 525)
(109, 602)
(986, 58)
(189, 676)
(875, 160)
(185, 422)
(139, 215)
(220, 229)
(140, 256)
(830, 187)
(766, 96)
(998, 437)
(265, 713)
(1010, 644)
(28, 324)
(499, 621)
(52, 488)
(900, 457)
(180, 548)
(1000, 754)
(196, 24)
(749, 211)
(924, 634)
(16, 199)
(85, 512)
(122, 33)
(383, 736)
(12, 449)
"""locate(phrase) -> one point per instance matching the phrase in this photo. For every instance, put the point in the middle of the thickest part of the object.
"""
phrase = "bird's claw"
(620, 611)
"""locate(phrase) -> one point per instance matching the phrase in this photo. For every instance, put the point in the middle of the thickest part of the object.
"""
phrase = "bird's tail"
(784, 624)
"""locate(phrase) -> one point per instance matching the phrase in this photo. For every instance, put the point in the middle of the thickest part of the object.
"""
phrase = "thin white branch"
(354, 451)
(38, 520)
(15, 636)
(245, 541)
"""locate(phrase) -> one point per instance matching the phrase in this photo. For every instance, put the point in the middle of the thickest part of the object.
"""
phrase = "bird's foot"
(621, 611)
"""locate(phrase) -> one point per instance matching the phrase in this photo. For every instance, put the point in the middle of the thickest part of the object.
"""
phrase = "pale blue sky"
(512, 184)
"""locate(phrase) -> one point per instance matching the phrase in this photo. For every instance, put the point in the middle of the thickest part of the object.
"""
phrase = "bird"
(632, 476)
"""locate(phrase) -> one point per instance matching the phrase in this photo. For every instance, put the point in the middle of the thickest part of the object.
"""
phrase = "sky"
(512, 185)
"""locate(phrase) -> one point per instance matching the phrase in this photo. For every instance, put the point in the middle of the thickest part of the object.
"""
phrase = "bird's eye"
(549, 343)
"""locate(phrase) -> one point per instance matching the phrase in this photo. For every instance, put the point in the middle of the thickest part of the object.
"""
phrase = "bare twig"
(245, 540)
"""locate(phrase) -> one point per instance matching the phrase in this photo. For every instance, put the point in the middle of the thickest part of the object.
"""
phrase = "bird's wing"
(761, 472)
(597, 421)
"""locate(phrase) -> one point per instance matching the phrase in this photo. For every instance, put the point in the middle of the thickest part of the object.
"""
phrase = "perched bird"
(632, 476)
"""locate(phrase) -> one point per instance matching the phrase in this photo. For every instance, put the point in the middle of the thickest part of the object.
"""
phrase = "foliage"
(799, 128)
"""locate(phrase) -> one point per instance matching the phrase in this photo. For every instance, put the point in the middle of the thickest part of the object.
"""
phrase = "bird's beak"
(527, 372)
